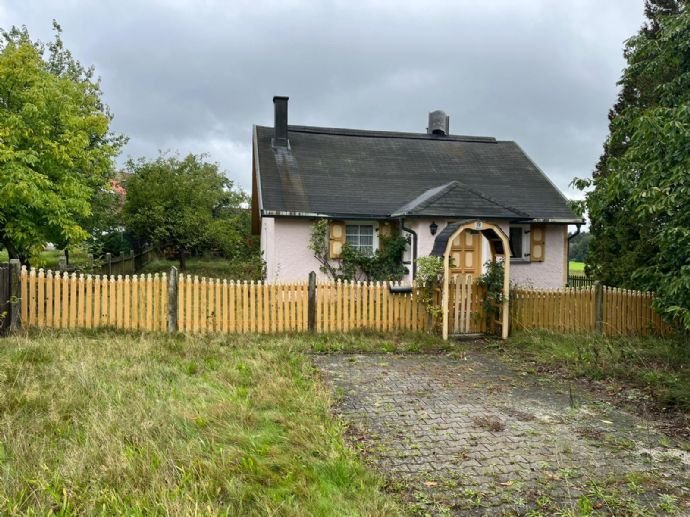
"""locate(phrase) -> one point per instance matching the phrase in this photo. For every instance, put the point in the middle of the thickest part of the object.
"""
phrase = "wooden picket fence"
(63, 300)
(204, 305)
(623, 312)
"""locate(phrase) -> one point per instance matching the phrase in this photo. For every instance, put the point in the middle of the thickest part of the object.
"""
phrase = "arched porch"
(499, 244)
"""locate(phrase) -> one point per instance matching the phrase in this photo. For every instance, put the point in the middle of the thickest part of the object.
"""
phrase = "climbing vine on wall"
(385, 264)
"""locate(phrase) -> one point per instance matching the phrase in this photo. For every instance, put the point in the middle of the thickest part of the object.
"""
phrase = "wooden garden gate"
(466, 314)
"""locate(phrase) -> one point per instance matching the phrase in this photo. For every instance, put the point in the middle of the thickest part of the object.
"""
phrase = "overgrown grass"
(215, 267)
(659, 365)
(107, 422)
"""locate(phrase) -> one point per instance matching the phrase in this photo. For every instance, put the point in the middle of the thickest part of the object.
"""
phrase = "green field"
(576, 268)
(137, 424)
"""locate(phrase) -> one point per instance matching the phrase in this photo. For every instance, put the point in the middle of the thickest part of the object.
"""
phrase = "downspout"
(567, 252)
(414, 246)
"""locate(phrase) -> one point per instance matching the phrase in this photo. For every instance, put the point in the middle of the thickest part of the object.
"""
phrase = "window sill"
(520, 261)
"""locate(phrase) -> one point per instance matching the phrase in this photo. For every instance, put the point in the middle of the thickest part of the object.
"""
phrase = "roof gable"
(456, 199)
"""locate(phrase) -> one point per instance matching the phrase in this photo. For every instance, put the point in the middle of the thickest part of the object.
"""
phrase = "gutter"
(414, 246)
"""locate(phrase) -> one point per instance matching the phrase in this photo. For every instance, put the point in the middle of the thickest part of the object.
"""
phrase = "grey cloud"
(194, 76)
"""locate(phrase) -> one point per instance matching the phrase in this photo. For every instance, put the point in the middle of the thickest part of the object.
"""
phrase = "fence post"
(311, 308)
(598, 307)
(172, 300)
(15, 294)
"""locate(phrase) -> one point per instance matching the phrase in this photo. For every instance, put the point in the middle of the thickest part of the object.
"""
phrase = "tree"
(640, 204)
(186, 204)
(56, 148)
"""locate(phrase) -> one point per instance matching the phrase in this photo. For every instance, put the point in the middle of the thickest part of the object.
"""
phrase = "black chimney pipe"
(280, 123)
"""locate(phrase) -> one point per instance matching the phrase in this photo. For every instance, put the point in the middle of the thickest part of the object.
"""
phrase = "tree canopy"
(640, 204)
(187, 204)
(56, 148)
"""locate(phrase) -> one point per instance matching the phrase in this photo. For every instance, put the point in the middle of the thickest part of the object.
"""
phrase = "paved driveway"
(465, 435)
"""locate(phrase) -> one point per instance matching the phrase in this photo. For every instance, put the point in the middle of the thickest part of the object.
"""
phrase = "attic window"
(360, 237)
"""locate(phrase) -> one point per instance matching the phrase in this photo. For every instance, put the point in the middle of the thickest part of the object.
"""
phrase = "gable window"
(519, 242)
(360, 237)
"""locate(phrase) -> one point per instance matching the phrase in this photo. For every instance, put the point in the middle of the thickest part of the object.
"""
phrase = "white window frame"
(526, 242)
(375, 233)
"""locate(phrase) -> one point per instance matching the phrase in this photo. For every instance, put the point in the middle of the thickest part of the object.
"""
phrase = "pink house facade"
(415, 183)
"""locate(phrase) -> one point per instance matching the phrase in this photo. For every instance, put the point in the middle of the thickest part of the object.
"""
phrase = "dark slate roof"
(374, 174)
(455, 199)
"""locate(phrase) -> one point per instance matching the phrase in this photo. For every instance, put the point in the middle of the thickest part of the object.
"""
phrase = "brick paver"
(467, 435)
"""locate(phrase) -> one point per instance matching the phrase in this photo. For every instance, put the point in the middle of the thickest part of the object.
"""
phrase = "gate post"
(311, 307)
(15, 296)
(172, 301)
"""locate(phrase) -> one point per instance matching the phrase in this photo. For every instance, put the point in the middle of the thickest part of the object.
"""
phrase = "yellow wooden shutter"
(336, 239)
(538, 243)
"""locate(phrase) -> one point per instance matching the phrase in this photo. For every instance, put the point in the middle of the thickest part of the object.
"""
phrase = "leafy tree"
(187, 204)
(56, 149)
(640, 204)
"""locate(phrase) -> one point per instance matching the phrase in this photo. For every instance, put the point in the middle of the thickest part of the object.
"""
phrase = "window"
(360, 237)
(515, 242)
(519, 242)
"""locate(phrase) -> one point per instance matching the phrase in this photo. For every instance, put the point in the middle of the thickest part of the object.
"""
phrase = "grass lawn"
(659, 367)
(106, 422)
(207, 266)
(576, 268)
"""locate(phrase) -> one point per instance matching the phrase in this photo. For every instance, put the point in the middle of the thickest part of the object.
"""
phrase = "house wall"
(552, 273)
(285, 247)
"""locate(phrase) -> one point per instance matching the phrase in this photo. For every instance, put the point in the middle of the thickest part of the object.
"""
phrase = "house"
(367, 182)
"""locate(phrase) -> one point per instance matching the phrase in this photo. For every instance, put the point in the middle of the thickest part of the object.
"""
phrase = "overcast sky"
(193, 76)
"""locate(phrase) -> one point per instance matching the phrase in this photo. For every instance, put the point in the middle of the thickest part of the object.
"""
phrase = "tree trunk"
(13, 253)
(183, 260)
(66, 252)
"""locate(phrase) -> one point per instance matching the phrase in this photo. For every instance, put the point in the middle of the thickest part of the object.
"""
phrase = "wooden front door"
(466, 254)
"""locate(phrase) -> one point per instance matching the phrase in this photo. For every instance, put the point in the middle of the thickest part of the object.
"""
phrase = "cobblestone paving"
(465, 435)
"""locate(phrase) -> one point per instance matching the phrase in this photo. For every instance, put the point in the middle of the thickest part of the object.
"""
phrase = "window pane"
(366, 230)
(516, 242)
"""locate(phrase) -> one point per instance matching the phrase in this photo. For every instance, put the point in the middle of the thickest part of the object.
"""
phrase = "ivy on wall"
(385, 264)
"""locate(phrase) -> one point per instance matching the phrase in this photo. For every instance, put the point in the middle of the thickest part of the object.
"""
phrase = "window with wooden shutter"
(538, 248)
(336, 239)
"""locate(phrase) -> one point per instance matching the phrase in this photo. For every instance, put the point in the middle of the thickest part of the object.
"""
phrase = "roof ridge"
(369, 133)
